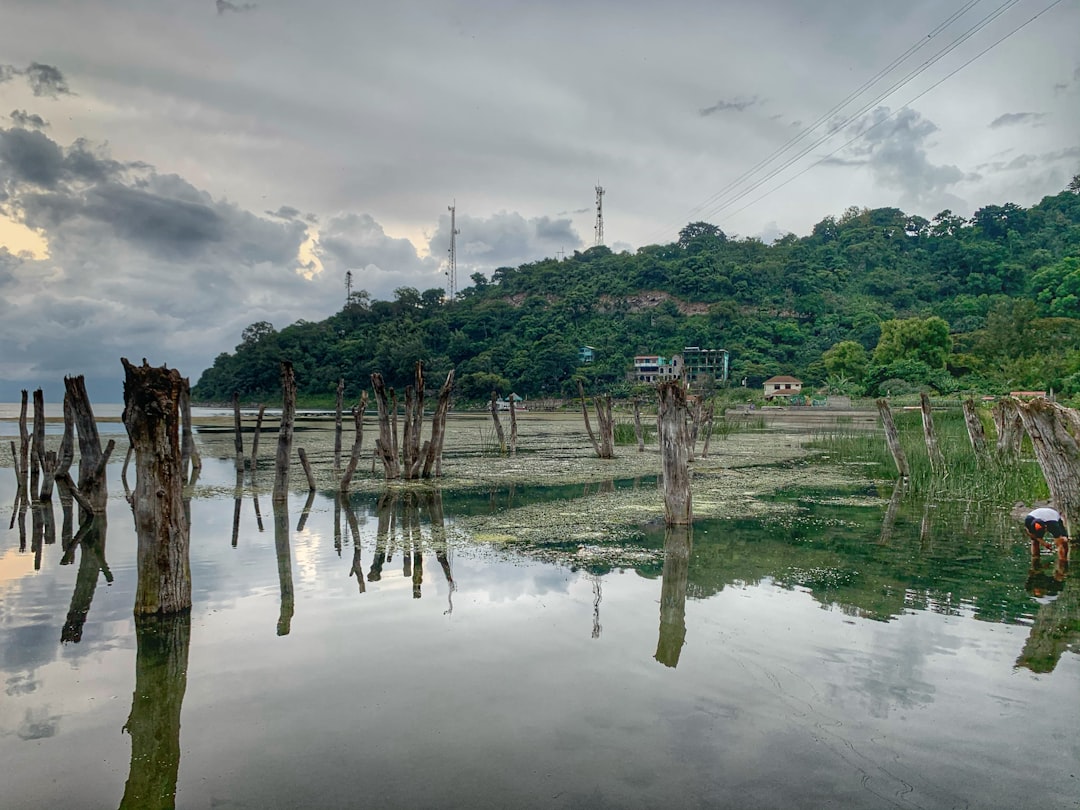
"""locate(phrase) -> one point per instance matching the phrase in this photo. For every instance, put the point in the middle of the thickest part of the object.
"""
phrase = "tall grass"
(625, 433)
(964, 477)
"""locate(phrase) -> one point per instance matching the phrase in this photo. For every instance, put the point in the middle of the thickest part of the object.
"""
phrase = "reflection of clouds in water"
(38, 724)
(494, 582)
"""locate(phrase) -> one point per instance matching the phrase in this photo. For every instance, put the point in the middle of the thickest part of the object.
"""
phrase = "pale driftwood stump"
(674, 451)
(152, 418)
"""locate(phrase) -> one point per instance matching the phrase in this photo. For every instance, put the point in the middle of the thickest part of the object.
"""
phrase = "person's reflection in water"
(677, 545)
(1043, 580)
(154, 722)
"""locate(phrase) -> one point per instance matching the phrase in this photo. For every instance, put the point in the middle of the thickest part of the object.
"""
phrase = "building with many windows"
(653, 368)
(705, 368)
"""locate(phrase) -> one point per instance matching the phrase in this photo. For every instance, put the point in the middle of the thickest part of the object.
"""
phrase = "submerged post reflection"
(154, 722)
(284, 564)
(678, 541)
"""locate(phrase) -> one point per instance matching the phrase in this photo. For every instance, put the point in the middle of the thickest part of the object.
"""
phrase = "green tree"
(846, 359)
(923, 339)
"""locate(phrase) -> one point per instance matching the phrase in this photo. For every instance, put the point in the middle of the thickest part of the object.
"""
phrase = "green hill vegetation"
(870, 302)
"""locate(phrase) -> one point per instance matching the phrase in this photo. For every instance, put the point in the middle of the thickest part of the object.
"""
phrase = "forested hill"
(871, 300)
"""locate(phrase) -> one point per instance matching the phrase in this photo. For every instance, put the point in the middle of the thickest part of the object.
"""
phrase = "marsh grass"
(624, 432)
(964, 478)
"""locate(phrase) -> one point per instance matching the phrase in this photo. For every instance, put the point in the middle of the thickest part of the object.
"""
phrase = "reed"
(964, 477)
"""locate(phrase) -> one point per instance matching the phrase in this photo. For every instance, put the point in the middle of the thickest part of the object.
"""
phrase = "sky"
(172, 172)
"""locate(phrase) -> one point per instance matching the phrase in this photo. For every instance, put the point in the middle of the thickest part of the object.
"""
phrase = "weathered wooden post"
(678, 543)
(307, 469)
(513, 426)
(708, 423)
(892, 439)
(1010, 430)
(238, 434)
(189, 455)
(37, 445)
(67, 443)
(254, 464)
(152, 418)
(588, 424)
(338, 405)
(413, 454)
(937, 460)
(358, 442)
(494, 408)
(606, 424)
(161, 665)
(674, 441)
(285, 432)
(975, 429)
(639, 432)
(1055, 436)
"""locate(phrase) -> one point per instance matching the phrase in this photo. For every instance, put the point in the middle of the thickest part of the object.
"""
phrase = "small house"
(586, 354)
(782, 386)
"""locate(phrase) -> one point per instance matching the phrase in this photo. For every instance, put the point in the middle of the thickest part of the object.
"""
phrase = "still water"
(381, 657)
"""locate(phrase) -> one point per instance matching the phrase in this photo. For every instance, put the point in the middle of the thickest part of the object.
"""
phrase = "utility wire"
(989, 18)
(894, 114)
(914, 48)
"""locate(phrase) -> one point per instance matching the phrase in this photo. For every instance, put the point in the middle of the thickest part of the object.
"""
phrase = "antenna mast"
(451, 270)
(348, 287)
(599, 229)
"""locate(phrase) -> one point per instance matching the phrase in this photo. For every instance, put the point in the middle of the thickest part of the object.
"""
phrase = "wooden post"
(678, 543)
(588, 424)
(513, 426)
(24, 448)
(285, 432)
(1055, 436)
(161, 665)
(975, 429)
(187, 438)
(37, 446)
(358, 442)
(708, 428)
(67, 443)
(674, 441)
(1010, 430)
(498, 424)
(307, 469)
(937, 461)
(386, 444)
(438, 429)
(339, 403)
(238, 435)
(152, 418)
(639, 432)
(892, 439)
(255, 442)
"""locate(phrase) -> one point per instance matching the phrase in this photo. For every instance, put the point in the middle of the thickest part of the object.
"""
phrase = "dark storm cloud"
(29, 157)
(895, 150)
(285, 212)
(8, 262)
(237, 8)
(46, 80)
(21, 118)
(1009, 119)
(738, 104)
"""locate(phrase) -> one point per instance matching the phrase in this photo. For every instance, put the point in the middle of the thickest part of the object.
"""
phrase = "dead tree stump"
(24, 448)
(189, 453)
(339, 403)
(498, 424)
(1010, 430)
(937, 460)
(975, 429)
(307, 468)
(152, 417)
(358, 442)
(91, 491)
(386, 444)
(892, 439)
(674, 451)
(438, 429)
(254, 463)
(285, 432)
(238, 433)
(513, 427)
(639, 432)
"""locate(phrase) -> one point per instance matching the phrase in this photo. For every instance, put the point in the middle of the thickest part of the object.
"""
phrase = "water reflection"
(1057, 624)
(678, 543)
(161, 665)
(284, 565)
(91, 544)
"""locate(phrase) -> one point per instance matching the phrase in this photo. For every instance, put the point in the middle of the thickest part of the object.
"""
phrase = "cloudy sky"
(173, 171)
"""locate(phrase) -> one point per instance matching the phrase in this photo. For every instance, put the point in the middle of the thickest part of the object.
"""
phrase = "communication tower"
(451, 267)
(599, 229)
(348, 287)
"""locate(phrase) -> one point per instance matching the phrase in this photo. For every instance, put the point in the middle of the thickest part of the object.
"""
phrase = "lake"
(399, 651)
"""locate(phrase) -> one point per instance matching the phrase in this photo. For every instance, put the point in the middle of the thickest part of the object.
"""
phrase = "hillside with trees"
(870, 301)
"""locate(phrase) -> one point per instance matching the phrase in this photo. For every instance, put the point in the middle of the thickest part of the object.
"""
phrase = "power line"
(993, 15)
(914, 48)
(891, 115)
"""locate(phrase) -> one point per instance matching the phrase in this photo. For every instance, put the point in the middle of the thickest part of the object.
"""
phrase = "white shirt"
(1045, 514)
